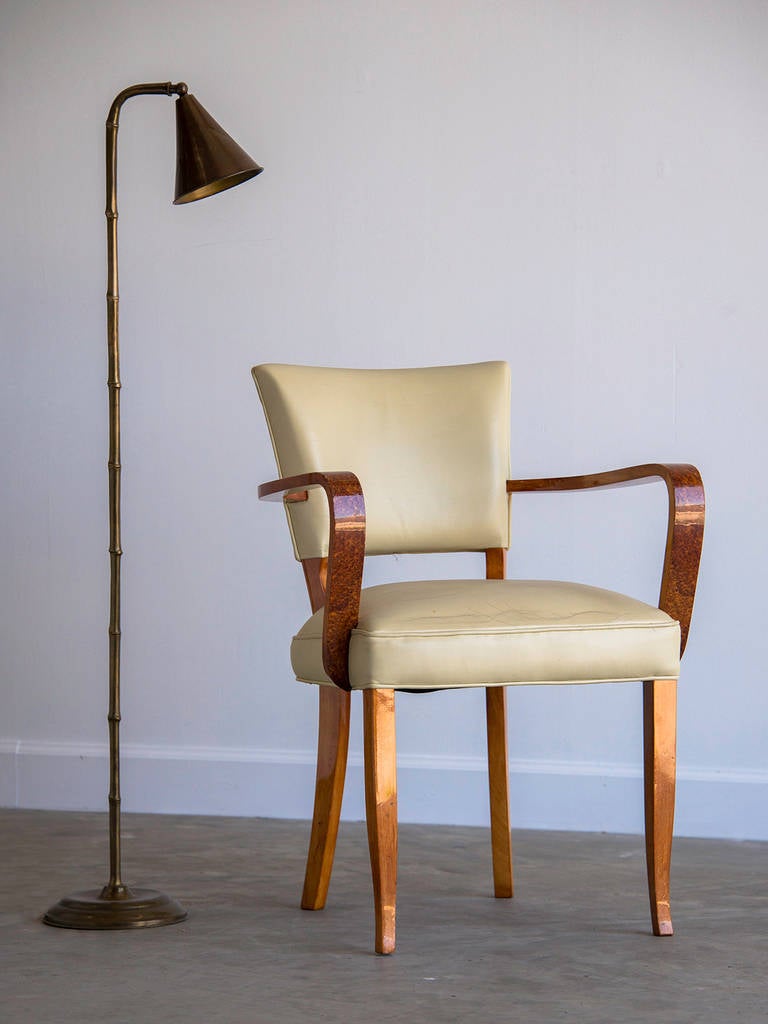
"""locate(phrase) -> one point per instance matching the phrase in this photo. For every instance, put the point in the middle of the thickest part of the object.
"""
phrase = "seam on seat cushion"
(507, 631)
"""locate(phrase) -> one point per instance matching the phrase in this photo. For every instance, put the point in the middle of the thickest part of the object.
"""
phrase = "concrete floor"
(573, 945)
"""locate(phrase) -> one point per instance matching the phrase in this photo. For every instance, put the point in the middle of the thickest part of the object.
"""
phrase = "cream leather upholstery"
(429, 446)
(447, 634)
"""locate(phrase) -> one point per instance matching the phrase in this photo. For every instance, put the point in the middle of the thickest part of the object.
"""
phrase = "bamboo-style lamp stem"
(207, 161)
(114, 887)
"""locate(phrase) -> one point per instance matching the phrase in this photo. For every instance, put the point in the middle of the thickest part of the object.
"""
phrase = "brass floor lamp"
(207, 161)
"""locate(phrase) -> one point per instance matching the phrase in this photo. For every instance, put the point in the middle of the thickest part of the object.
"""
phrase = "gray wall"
(577, 187)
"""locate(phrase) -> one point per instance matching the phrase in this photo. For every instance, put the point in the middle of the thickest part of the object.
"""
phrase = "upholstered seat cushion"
(453, 633)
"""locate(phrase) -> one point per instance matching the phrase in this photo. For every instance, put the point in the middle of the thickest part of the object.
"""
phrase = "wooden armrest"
(685, 525)
(346, 552)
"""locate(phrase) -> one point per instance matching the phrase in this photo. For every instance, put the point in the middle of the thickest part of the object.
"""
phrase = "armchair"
(415, 461)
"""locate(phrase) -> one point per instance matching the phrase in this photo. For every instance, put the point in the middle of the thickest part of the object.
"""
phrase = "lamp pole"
(208, 161)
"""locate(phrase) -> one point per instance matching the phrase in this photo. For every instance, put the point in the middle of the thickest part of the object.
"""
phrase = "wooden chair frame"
(334, 583)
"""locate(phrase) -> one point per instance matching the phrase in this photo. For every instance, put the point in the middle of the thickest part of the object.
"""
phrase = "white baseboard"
(433, 790)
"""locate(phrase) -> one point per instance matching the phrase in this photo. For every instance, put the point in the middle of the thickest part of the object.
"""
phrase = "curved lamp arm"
(346, 553)
(685, 525)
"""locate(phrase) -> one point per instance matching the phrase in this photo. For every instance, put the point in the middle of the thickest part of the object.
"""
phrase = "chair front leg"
(332, 745)
(381, 809)
(659, 725)
(498, 786)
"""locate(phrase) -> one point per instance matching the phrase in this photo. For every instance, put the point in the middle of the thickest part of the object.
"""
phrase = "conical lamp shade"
(207, 159)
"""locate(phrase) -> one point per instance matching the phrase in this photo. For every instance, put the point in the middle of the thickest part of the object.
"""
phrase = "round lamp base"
(136, 908)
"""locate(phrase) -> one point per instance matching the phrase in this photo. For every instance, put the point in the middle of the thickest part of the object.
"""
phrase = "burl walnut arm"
(346, 552)
(685, 528)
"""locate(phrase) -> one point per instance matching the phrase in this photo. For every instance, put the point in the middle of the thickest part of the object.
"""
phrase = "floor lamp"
(207, 161)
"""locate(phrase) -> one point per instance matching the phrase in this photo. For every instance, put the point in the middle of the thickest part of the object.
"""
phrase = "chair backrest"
(429, 446)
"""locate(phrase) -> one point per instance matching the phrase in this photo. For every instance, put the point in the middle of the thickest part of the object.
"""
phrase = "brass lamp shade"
(207, 159)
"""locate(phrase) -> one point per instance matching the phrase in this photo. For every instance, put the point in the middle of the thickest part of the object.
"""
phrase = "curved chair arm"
(346, 552)
(685, 527)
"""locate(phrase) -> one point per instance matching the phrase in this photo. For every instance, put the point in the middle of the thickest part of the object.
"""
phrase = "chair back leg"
(659, 726)
(332, 746)
(498, 787)
(498, 758)
(381, 809)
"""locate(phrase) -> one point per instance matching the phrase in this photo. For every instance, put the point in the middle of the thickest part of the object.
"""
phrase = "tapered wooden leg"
(381, 809)
(498, 785)
(659, 725)
(332, 744)
(498, 758)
